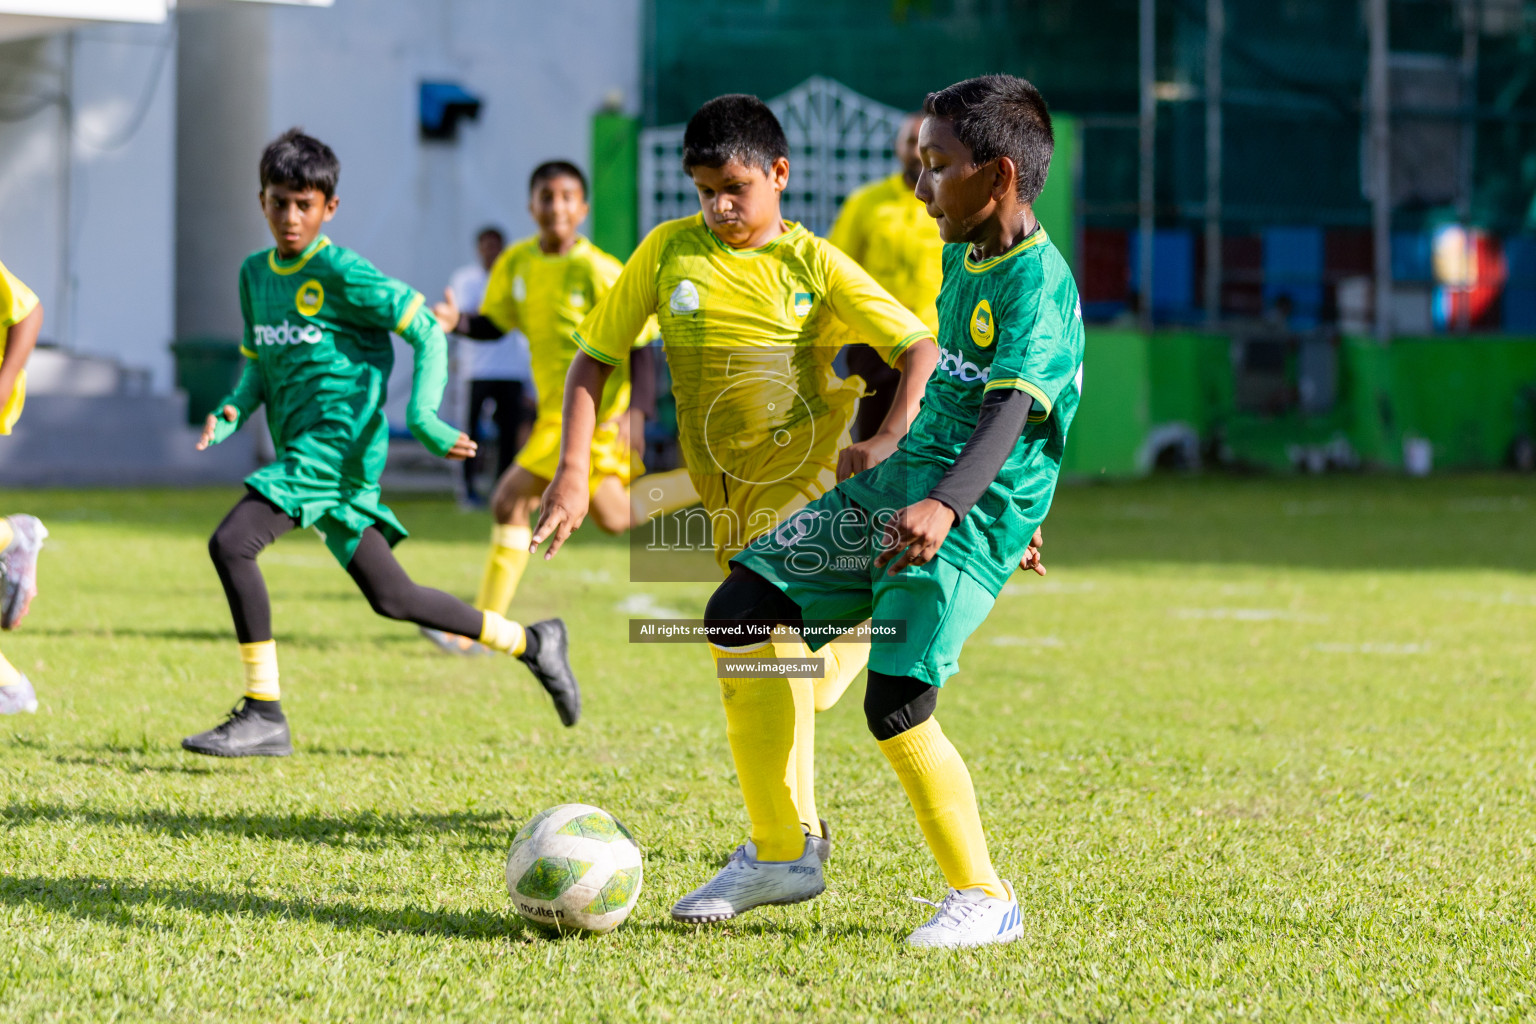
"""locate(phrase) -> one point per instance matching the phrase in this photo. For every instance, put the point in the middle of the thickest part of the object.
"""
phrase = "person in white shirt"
(497, 371)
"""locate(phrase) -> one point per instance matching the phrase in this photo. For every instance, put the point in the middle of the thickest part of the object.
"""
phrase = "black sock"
(272, 709)
(530, 645)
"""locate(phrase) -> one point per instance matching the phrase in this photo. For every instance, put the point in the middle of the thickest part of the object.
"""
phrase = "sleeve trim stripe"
(1032, 390)
(247, 352)
(906, 343)
(410, 313)
(601, 357)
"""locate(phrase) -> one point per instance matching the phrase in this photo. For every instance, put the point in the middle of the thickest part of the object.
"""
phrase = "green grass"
(1255, 750)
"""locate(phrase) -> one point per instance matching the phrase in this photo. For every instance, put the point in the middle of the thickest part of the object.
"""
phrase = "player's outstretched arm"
(20, 340)
(915, 533)
(473, 326)
(234, 410)
(568, 495)
(429, 378)
(916, 364)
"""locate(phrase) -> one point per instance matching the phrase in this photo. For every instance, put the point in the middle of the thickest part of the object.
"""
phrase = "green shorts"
(823, 559)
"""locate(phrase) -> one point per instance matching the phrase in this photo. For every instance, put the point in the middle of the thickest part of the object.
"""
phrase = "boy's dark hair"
(733, 127)
(551, 169)
(491, 229)
(299, 161)
(1000, 115)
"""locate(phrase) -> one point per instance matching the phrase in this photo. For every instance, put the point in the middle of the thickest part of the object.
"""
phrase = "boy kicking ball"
(936, 529)
(317, 326)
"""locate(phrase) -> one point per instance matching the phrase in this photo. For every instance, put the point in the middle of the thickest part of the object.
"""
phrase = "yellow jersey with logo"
(888, 232)
(750, 335)
(546, 297)
(16, 304)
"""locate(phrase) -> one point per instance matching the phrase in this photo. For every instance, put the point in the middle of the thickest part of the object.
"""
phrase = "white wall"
(87, 212)
(131, 226)
(350, 73)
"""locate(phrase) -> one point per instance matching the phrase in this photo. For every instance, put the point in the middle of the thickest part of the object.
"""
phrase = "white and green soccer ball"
(574, 867)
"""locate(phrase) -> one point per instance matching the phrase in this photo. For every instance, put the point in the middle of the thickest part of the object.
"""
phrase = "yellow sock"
(762, 716)
(9, 674)
(260, 663)
(6, 536)
(805, 746)
(502, 634)
(504, 567)
(934, 776)
(845, 660)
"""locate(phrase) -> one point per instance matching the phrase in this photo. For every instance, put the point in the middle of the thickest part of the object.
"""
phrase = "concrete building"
(130, 131)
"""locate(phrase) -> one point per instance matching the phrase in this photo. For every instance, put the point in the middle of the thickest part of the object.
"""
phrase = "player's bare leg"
(610, 505)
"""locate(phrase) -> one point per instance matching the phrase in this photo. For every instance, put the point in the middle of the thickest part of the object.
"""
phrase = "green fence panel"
(1113, 420)
(615, 183)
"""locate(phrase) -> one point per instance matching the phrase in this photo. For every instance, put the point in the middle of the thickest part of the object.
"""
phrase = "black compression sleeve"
(1004, 414)
(479, 328)
(642, 381)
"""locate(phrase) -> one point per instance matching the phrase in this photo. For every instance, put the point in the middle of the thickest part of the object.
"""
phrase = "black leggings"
(255, 522)
(746, 607)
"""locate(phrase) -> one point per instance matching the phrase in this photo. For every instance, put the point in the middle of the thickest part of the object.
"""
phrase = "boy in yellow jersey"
(884, 227)
(543, 286)
(21, 536)
(752, 311)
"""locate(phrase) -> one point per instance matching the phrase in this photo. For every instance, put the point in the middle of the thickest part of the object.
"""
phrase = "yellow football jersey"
(887, 231)
(750, 335)
(546, 298)
(16, 303)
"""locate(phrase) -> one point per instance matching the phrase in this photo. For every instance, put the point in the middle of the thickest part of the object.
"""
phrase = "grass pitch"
(1254, 750)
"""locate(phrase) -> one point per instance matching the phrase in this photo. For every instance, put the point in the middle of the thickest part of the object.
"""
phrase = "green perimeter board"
(1466, 396)
(1113, 418)
(615, 183)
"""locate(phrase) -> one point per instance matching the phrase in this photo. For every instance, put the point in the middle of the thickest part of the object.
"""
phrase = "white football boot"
(969, 917)
(746, 882)
(18, 699)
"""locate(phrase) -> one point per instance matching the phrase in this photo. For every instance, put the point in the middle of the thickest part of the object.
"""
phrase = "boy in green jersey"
(317, 326)
(927, 537)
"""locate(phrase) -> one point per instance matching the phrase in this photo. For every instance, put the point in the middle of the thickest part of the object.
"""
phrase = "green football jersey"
(1013, 321)
(317, 333)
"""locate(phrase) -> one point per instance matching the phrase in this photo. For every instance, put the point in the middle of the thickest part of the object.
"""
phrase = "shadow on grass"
(113, 900)
(132, 767)
(314, 642)
(366, 830)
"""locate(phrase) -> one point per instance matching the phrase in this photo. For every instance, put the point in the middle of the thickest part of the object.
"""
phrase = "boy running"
(543, 286)
(21, 536)
(752, 311)
(317, 324)
(929, 536)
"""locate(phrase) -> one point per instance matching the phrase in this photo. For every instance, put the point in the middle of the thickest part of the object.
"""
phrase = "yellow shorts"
(611, 456)
(741, 511)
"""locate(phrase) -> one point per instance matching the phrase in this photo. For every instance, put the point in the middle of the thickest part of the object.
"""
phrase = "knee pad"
(744, 609)
(894, 704)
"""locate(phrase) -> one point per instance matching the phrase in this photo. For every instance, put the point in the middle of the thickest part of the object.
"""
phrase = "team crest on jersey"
(310, 297)
(519, 290)
(803, 302)
(578, 300)
(983, 329)
(685, 298)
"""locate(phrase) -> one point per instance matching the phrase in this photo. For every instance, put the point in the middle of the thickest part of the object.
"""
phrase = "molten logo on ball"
(574, 866)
